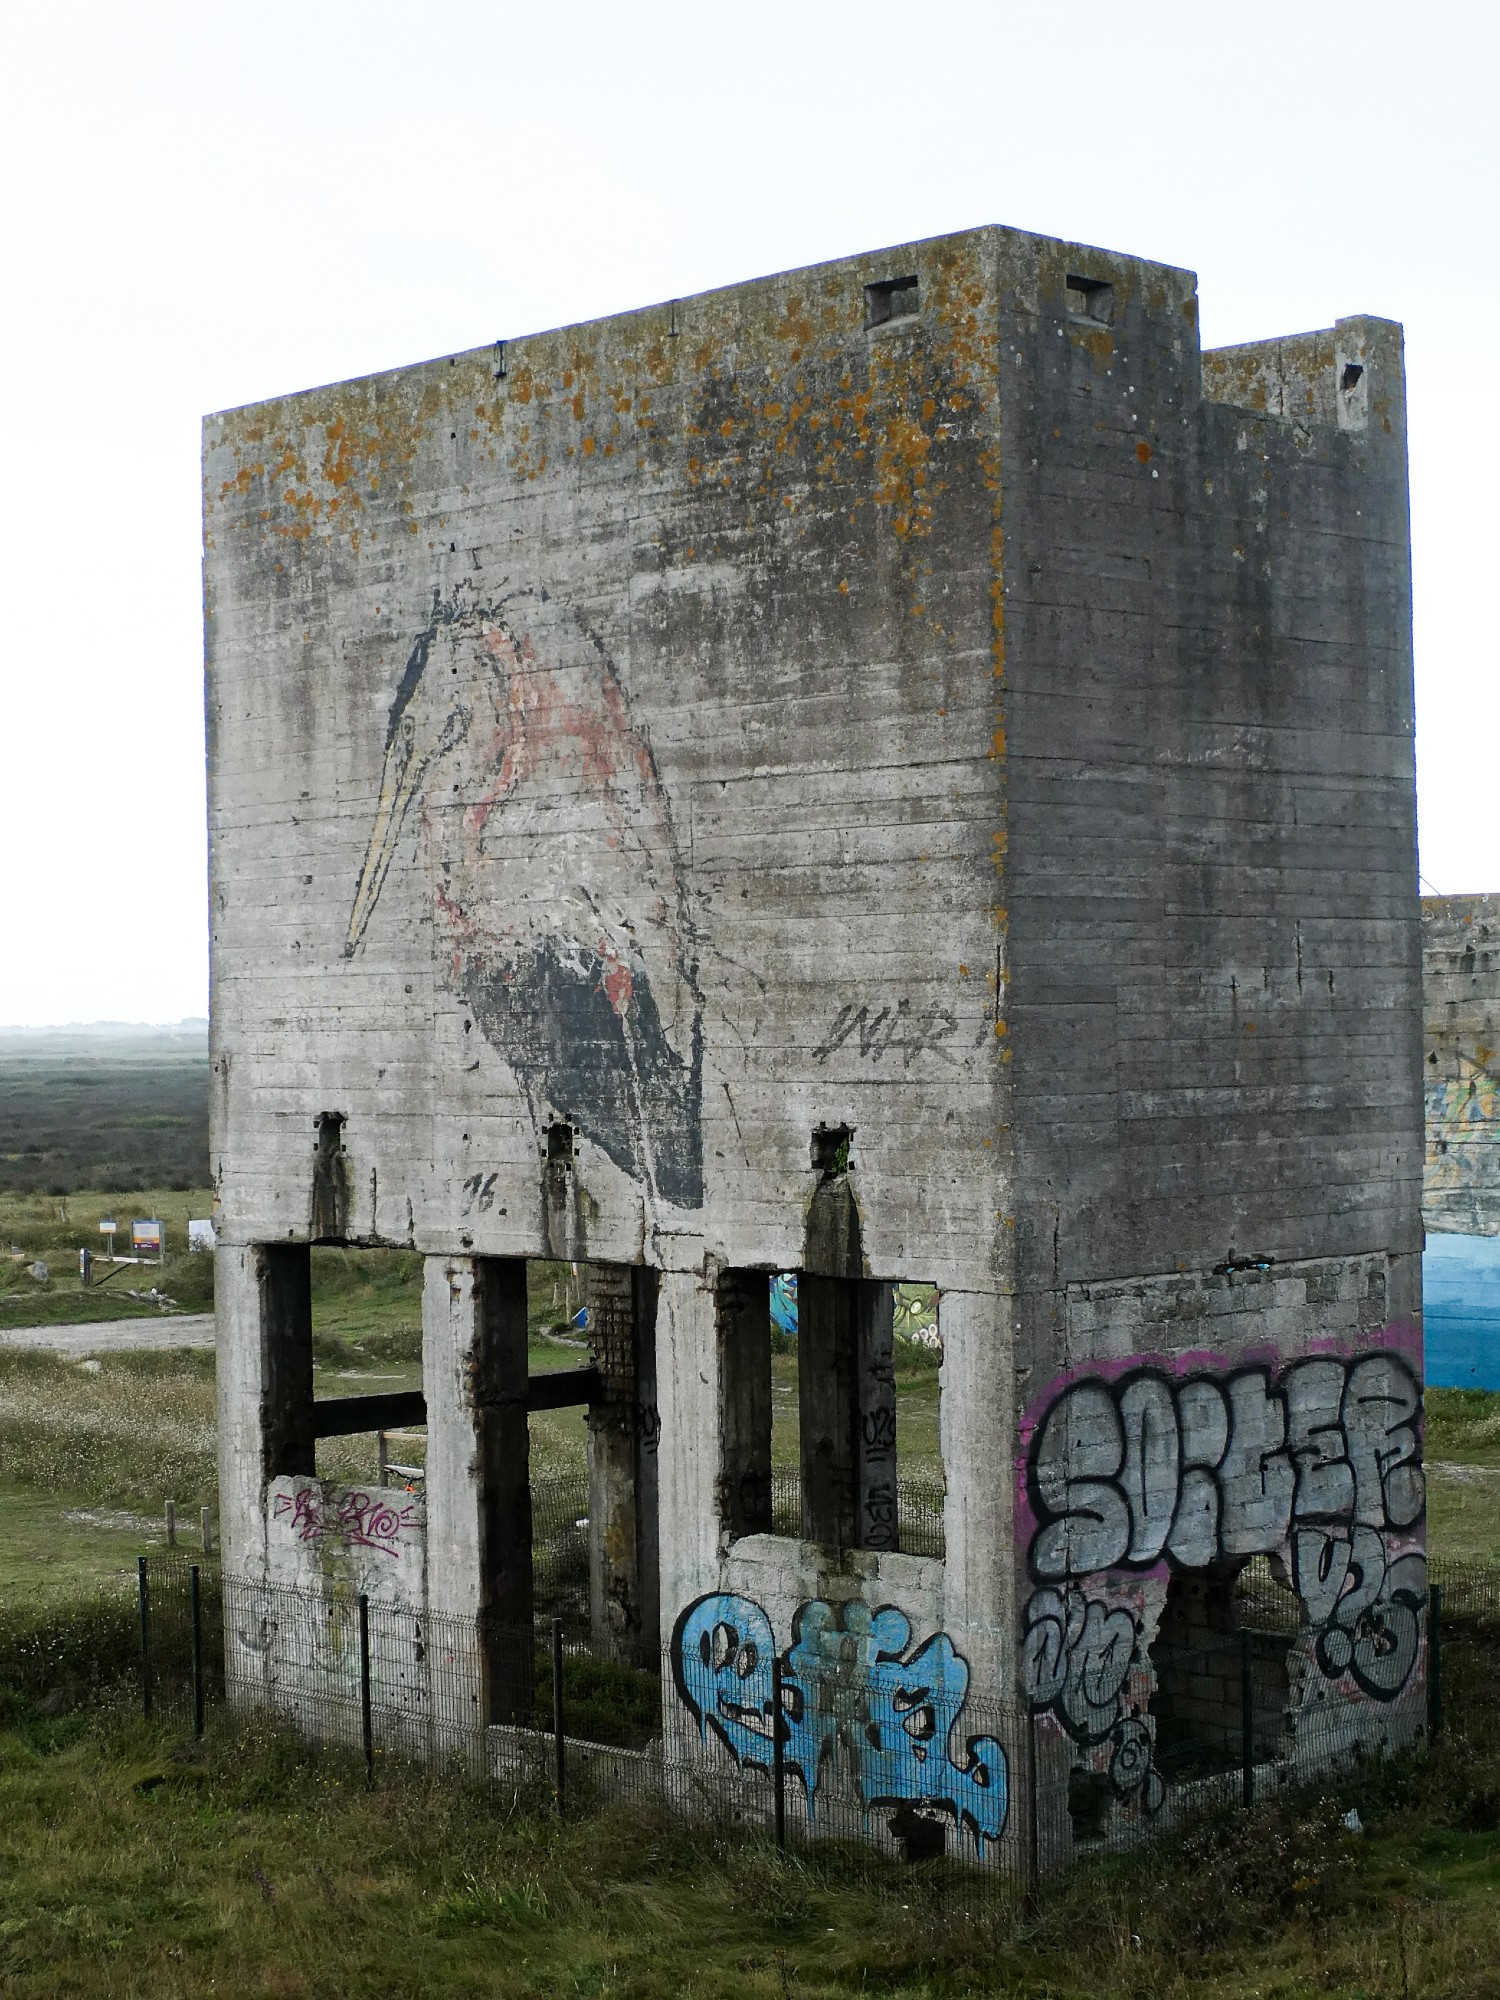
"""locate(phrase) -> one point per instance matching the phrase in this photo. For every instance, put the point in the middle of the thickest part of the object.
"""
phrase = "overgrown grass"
(127, 1431)
(112, 1111)
(1463, 1473)
(133, 1862)
(1463, 1424)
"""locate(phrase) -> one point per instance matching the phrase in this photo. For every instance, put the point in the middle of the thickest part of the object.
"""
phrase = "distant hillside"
(103, 1105)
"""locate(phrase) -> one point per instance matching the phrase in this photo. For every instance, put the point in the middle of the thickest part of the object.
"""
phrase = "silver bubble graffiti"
(1317, 1464)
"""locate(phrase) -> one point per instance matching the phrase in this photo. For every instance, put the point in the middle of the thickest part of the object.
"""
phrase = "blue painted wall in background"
(1461, 1311)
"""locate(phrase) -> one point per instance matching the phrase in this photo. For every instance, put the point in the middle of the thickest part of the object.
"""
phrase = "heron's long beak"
(399, 780)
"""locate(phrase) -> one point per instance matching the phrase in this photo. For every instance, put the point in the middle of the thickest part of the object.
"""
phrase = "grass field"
(120, 1109)
(132, 1862)
(54, 1549)
(1463, 1473)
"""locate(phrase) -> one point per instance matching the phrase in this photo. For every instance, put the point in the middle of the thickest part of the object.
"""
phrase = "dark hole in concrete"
(330, 1193)
(560, 1144)
(890, 298)
(1199, 1655)
(1351, 377)
(1091, 298)
(1088, 1803)
(922, 1838)
(830, 1149)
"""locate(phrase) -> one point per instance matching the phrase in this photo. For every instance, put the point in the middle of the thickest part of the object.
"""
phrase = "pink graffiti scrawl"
(359, 1520)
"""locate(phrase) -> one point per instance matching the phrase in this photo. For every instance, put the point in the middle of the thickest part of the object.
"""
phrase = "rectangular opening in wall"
(890, 298)
(557, 1341)
(593, 1428)
(369, 1412)
(917, 1353)
(1219, 1679)
(830, 1412)
(786, 1409)
(1091, 298)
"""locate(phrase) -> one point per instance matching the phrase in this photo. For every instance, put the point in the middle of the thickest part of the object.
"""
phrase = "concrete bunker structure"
(1461, 1190)
(1461, 1034)
(901, 771)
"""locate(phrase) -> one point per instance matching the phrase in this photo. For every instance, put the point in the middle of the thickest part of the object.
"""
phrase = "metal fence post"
(559, 1740)
(366, 1718)
(778, 1752)
(145, 1601)
(195, 1601)
(1032, 1779)
(1247, 1721)
(1434, 1662)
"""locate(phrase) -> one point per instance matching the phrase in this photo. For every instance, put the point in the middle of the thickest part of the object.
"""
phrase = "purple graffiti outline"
(359, 1520)
(1403, 1338)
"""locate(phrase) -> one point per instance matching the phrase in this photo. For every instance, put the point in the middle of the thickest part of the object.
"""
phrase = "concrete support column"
(284, 1286)
(875, 1488)
(985, 1584)
(827, 1409)
(744, 1329)
(687, 1351)
(621, 1538)
(263, 1313)
(648, 1445)
(478, 1473)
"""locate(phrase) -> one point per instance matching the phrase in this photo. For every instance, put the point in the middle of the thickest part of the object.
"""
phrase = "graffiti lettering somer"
(1319, 1462)
(856, 1700)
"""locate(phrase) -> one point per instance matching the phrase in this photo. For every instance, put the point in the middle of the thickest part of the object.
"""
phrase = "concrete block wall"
(1461, 1067)
(923, 699)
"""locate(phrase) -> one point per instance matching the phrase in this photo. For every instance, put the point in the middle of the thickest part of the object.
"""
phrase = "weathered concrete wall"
(924, 698)
(1461, 1006)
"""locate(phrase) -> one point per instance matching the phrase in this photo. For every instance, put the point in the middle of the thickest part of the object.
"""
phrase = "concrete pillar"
(624, 1605)
(743, 1300)
(478, 1473)
(263, 1313)
(827, 1408)
(876, 1525)
(828, 1351)
(283, 1278)
(984, 1587)
(688, 1393)
(648, 1443)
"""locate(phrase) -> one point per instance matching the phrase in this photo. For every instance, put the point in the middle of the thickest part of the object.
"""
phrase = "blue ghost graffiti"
(854, 1700)
(721, 1661)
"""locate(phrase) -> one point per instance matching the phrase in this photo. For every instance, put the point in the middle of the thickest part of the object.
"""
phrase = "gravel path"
(115, 1336)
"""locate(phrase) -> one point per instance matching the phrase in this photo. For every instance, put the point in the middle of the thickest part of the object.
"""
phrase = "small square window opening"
(1091, 298)
(890, 298)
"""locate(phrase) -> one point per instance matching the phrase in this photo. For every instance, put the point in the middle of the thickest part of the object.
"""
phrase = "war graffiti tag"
(897, 1030)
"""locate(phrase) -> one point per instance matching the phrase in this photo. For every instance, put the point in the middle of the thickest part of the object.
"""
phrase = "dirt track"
(115, 1336)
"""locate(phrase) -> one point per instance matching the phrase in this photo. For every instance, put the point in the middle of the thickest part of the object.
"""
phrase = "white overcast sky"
(207, 204)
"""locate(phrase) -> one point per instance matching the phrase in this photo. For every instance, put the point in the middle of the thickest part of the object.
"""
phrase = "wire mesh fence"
(832, 1740)
(919, 1509)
